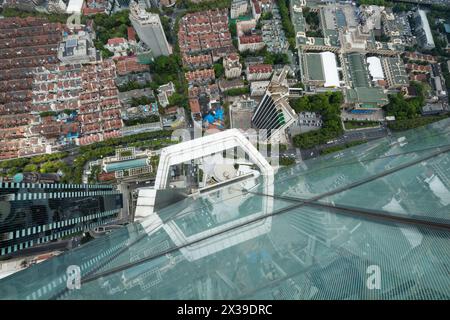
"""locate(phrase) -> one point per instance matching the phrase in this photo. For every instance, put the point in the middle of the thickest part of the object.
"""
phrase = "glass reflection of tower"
(38, 213)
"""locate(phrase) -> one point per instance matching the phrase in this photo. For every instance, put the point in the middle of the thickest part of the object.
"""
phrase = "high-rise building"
(56, 6)
(149, 28)
(167, 3)
(423, 30)
(274, 113)
(35, 212)
(147, 4)
(27, 5)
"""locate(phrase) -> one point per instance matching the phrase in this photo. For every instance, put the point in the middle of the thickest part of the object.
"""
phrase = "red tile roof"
(200, 75)
(91, 11)
(127, 65)
(418, 68)
(250, 39)
(131, 33)
(260, 68)
(194, 105)
(116, 41)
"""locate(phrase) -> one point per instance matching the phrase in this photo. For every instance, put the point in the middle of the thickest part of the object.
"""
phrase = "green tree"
(30, 168)
(219, 70)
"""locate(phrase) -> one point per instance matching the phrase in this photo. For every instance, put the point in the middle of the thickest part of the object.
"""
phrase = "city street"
(349, 136)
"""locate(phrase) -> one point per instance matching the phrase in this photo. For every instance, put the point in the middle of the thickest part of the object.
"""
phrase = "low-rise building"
(164, 93)
(395, 72)
(201, 61)
(250, 43)
(129, 65)
(259, 72)
(238, 8)
(127, 96)
(118, 46)
(258, 88)
(365, 100)
(412, 56)
(225, 85)
(200, 76)
(244, 27)
(418, 68)
(196, 113)
(77, 48)
(174, 117)
(320, 69)
(133, 164)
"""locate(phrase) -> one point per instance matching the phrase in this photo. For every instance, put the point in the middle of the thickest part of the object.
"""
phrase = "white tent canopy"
(330, 70)
(375, 68)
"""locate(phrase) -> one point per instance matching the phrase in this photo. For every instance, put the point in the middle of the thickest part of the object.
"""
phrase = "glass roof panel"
(254, 242)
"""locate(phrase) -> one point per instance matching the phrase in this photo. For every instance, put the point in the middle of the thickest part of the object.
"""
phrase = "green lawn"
(352, 124)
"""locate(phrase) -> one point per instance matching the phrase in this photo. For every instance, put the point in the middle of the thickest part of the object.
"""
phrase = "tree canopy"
(328, 105)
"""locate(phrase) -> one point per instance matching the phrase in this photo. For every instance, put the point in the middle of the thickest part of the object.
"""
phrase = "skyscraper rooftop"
(333, 220)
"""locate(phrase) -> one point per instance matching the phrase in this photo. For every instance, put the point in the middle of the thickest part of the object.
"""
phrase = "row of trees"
(108, 147)
(286, 22)
(205, 5)
(54, 17)
(46, 167)
(13, 166)
(328, 105)
(237, 91)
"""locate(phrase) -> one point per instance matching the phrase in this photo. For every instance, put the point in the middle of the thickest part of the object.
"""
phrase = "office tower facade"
(274, 113)
(38, 213)
(423, 30)
(149, 28)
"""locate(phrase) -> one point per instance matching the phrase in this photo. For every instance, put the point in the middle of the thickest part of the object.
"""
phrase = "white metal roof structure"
(375, 68)
(194, 149)
(330, 70)
(75, 6)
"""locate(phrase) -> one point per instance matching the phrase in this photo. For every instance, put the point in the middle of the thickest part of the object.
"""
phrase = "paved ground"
(376, 116)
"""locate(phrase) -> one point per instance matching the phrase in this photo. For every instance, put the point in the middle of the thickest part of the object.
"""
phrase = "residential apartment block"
(259, 72)
(232, 66)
